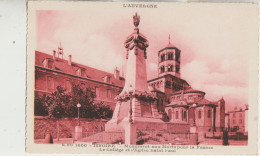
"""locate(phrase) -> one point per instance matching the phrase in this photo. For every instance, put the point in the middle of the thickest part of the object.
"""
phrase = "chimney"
(54, 55)
(116, 73)
(69, 60)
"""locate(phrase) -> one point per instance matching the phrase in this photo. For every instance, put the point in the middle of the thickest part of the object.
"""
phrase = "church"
(179, 100)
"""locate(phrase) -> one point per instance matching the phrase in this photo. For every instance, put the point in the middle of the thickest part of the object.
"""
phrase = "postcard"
(142, 77)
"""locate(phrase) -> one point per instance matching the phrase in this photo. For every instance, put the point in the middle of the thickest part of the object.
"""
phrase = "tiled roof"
(153, 89)
(62, 65)
(204, 101)
(168, 75)
(189, 90)
(185, 102)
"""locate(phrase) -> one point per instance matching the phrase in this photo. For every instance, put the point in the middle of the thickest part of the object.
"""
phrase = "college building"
(52, 71)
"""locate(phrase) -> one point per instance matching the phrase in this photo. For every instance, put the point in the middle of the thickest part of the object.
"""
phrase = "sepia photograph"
(142, 77)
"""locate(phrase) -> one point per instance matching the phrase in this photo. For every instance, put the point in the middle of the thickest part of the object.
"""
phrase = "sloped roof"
(153, 89)
(168, 75)
(204, 101)
(62, 65)
(188, 90)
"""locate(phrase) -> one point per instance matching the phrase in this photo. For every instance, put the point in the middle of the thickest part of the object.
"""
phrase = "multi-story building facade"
(238, 119)
(52, 71)
(179, 100)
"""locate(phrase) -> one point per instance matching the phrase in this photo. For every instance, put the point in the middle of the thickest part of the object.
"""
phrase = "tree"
(56, 103)
(40, 107)
(89, 107)
(63, 104)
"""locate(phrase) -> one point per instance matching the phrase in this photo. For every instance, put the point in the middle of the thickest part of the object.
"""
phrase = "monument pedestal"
(130, 134)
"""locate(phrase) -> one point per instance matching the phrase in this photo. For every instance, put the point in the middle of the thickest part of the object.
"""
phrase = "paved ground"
(219, 142)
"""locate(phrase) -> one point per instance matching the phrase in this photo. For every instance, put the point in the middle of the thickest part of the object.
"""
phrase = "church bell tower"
(169, 60)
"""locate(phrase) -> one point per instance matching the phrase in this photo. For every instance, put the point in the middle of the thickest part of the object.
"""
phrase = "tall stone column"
(136, 106)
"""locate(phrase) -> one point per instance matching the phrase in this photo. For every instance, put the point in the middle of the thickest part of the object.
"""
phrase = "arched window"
(170, 56)
(199, 114)
(170, 68)
(209, 113)
(162, 57)
(177, 115)
(177, 58)
(170, 114)
(162, 69)
(184, 115)
(177, 69)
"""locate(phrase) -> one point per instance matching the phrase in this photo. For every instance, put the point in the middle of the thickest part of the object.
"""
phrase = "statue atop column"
(136, 39)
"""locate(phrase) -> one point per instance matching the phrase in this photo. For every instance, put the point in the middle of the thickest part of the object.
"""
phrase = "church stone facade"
(179, 100)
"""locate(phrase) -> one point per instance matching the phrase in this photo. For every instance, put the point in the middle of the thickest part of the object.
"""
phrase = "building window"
(170, 114)
(109, 93)
(184, 115)
(68, 85)
(107, 79)
(199, 114)
(234, 121)
(190, 97)
(240, 114)
(170, 68)
(234, 115)
(170, 56)
(50, 64)
(177, 69)
(209, 113)
(78, 72)
(177, 115)
(178, 97)
(240, 121)
(97, 91)
(199, 97)
(162, 57)
(162, 69)
(177, 58)
(173, 98)
(50, 83)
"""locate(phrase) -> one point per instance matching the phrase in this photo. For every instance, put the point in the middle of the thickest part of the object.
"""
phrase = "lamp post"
(78, 128)
(78, 106)
(131, 97)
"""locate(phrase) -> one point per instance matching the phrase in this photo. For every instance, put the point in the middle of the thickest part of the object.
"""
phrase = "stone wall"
(65, 127)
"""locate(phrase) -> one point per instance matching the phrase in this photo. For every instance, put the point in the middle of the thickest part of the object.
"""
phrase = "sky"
(213, 42)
